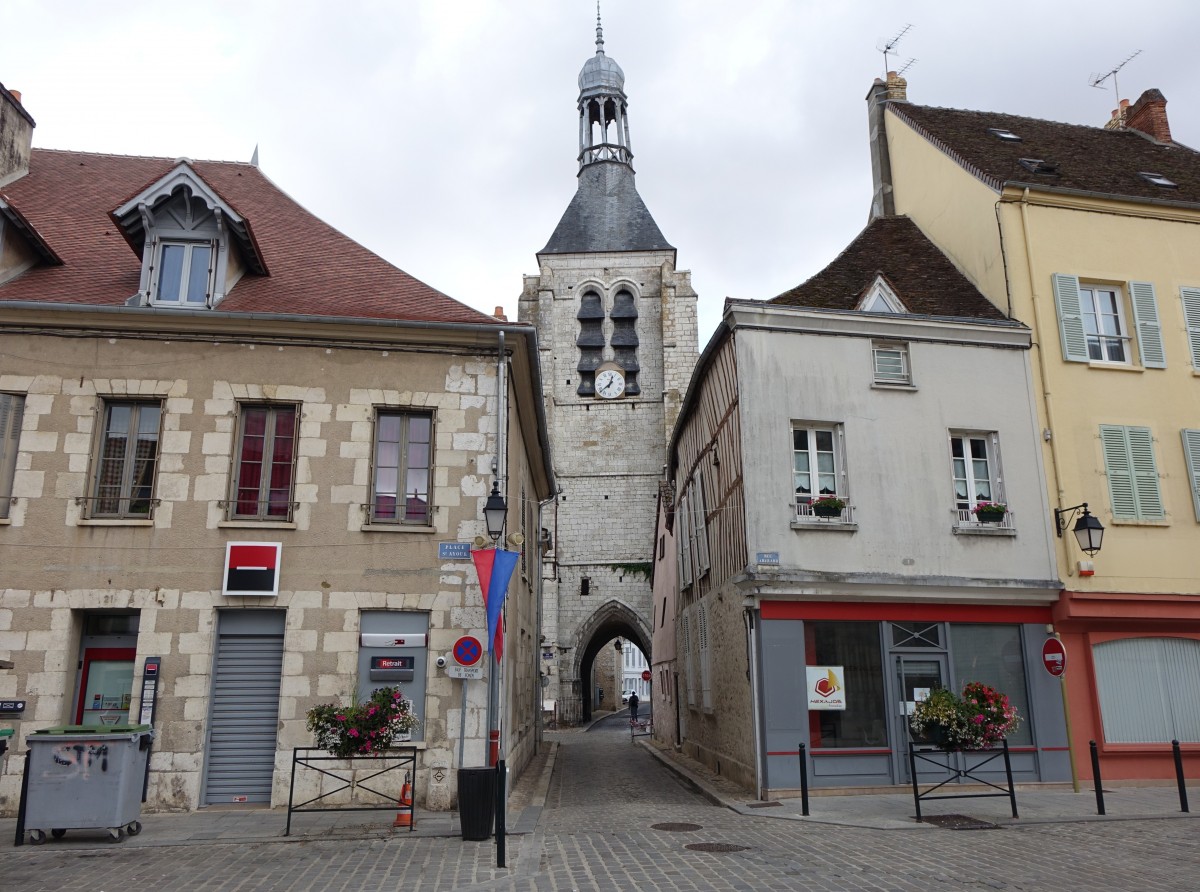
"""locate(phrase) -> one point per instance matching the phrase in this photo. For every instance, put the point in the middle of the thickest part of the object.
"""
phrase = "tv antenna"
(891, 45)
(1097, 80)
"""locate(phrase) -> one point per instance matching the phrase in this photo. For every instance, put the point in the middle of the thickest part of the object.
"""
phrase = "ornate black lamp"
(1088, 529)
(494, 512)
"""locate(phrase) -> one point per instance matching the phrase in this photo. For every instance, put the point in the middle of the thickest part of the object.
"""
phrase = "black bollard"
(803, 782)
(1096, 777)
(1183, 803)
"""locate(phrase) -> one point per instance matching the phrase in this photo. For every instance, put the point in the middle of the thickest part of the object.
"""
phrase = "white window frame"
(802, 510)
(965, 513)
(12, 409)
(1136, 317)
(128, 462)
(888, 376)
(1132, 472)
(189, 247)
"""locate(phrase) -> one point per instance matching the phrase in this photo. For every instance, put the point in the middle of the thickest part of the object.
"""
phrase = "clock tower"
(616, 326)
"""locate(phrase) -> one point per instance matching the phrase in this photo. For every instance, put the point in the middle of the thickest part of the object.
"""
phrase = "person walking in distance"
(633, 705)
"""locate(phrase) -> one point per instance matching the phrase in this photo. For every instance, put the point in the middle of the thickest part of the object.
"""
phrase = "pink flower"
(372, 711)
(353, 732)
(340, 718)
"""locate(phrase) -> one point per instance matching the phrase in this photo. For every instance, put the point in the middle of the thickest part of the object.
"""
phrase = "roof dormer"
(194, 245)
(880, 298)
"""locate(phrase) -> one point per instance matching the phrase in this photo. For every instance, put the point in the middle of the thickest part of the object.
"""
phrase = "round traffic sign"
(1054, 657)
(467, 650)
(645, 675)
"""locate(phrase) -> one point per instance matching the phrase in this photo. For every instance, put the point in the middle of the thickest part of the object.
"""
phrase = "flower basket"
(362, 729)
(827, 506)
(990, 512)
(977, 720)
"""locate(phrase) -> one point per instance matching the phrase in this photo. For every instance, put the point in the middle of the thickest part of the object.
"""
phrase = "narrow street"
(616, 818)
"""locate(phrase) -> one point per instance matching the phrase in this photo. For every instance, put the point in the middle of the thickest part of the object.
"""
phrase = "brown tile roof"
(922, 277)
(314, 269)
(1090, 159)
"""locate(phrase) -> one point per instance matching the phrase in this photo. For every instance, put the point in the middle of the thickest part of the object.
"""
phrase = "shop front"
(843, 679)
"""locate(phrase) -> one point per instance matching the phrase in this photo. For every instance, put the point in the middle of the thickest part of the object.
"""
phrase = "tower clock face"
(610, 383)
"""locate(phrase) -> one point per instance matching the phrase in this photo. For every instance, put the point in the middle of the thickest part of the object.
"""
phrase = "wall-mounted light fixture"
(1088, 530)
(494, 512)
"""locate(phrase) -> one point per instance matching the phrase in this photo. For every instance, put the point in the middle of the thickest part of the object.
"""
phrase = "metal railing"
(966, 519)
(804, 514)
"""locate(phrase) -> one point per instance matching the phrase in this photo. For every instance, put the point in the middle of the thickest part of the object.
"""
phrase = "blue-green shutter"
(1117, 466)
(1191, 452)
(1145, 473)
(1132, 472)
(1145, 322)
(1191, 315)
(1070, 318)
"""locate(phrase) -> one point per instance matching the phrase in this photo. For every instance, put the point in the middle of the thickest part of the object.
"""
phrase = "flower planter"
(823, 511)
(991, 517)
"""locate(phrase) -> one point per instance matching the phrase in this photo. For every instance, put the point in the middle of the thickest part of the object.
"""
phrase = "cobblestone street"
(596, 831)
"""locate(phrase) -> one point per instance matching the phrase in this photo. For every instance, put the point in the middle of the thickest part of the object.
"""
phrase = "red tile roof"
(314, 269)
(893, 247)
(1088, 159)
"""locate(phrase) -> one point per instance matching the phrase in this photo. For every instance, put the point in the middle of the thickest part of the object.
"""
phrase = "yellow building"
(1091, 237)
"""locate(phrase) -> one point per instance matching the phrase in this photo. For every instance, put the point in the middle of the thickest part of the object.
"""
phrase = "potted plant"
(989, 512)
(979, 718)
(362, 729)
(827, 506)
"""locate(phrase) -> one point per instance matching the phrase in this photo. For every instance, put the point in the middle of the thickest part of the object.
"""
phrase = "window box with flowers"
(827, 506)
(989, 512)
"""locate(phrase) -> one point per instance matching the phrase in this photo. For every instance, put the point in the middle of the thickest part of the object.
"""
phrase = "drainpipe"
(538, 693)
(752, 671)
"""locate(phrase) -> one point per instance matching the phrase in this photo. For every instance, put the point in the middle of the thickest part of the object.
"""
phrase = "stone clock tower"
(616, 323)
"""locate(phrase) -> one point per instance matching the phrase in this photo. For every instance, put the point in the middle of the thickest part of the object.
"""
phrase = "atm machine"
(392, 652)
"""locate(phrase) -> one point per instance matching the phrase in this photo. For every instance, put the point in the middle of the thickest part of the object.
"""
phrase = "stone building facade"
(616, 323)
(140, 419)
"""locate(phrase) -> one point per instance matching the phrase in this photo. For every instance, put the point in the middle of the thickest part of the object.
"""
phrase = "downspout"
(1058, 489)
(752, 672)
(538, 695)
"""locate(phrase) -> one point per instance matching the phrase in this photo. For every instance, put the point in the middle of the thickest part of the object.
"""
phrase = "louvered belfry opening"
(625, 339)
(590, 341)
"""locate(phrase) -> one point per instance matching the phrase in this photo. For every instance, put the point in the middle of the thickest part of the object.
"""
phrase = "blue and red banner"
(495, 567)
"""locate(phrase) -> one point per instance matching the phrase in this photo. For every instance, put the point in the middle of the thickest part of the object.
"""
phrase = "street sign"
(645, 675)
(454, 551)
(771, 558)
(1054, 657)
(474, 672)
(467, 651)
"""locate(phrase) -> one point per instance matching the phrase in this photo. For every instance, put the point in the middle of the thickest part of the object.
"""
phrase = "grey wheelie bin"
(86, 778)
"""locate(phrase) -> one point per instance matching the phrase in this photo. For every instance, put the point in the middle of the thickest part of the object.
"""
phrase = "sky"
(442, 134)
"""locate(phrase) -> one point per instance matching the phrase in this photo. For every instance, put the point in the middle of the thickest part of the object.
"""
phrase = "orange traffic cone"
(404, 817)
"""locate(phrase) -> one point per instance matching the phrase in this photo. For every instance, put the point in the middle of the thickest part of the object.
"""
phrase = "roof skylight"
(1040, 165)
(1158, 179)
(1001, 133)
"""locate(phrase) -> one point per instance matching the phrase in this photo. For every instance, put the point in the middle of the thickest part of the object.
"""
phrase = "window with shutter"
(685, 541)
(1191, 315)
(1191, 452)
(689, 669)
(705, 659)
(699, 528)
(1149, 332)
(11, 411)
(1070, 318)
(1132, 472)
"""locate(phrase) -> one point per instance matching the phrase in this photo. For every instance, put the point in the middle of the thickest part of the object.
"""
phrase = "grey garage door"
(244, 715)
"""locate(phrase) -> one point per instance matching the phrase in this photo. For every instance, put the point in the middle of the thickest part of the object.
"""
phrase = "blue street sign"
(767, 557)
(454, 551)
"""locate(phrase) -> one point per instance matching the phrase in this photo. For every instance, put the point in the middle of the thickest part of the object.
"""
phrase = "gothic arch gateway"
(616, 326)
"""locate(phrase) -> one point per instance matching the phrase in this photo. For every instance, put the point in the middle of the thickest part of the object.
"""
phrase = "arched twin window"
(591, 341)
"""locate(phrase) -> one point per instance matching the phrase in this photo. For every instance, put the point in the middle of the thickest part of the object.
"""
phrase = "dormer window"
(194, 246)
(183, 273)
(880, 298)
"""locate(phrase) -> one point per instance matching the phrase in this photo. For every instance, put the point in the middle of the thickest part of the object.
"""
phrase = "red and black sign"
(252, 568)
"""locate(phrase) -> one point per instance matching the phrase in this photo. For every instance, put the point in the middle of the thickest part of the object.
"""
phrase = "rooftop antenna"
(1097, 80)
(891, 45)
(907, 65)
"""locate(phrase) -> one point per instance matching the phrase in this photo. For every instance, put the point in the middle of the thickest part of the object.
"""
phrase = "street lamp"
(617, 645)
(494, 513)
(1088, 530)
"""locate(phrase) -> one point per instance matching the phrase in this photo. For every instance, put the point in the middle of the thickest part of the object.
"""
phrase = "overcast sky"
(442, 134)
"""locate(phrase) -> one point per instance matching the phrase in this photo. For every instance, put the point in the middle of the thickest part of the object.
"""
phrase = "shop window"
(1147, 689)
(856, 648)
(993, 655)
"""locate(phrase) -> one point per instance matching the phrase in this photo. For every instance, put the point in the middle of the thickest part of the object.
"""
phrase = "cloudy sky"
(442, 134)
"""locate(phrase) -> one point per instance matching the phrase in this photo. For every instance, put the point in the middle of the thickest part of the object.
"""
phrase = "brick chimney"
(16, 137)
(1149, 116)
(897, 88)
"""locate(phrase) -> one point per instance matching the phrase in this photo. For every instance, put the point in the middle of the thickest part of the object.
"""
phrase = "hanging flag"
(495, 567)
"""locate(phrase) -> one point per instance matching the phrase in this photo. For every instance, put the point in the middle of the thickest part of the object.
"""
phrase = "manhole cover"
(715, 847)
(762, 804)
(959, 822)
(676, 828)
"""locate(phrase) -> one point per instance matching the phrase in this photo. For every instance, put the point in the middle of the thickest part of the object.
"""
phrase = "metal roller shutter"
(245, 710)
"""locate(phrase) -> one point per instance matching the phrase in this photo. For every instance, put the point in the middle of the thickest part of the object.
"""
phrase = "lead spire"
(603, 125)
(599, 31)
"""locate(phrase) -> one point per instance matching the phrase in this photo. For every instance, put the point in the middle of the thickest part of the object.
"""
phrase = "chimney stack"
(1119, 114)
(1149, 116)
(16, 137)
(897, 88)
(499, 314)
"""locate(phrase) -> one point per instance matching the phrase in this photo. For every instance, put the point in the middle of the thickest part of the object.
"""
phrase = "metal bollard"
(803, 782)
(1096, 777)
(1183, 803)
